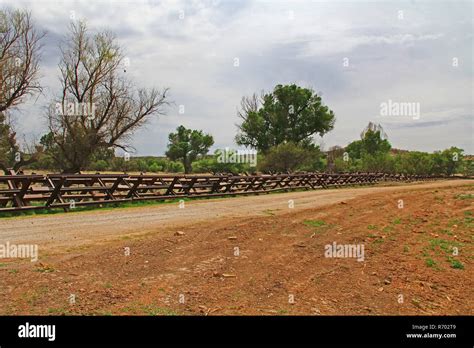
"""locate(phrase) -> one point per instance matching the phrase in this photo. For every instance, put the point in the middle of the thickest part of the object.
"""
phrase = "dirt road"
(75, 229)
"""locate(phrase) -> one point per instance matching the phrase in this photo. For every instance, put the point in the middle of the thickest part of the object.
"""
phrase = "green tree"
(354, 149)
(371, 153)
(288, 114)
(372, 143)
(288, 157)
(453, 159)
(416, 162)
(186, 145)
(12, 157)
(378, 162)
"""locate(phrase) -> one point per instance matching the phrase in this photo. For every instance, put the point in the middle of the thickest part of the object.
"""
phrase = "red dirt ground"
(280, 268)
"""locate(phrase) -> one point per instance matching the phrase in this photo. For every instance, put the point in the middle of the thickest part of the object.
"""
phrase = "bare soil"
(252, 256)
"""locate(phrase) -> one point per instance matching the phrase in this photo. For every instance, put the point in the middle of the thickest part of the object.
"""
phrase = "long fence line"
(29, 192)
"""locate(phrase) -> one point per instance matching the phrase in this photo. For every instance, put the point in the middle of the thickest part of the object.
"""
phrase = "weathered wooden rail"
(29, 192)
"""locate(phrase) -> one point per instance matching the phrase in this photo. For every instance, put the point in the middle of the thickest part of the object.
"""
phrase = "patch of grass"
(468, 220)
(372, 227)
(455, 263)
(314, 223)
(397, 221)
(150, 309)
(465, 196)
(406, 249)
(442, 244)
(453, 222)
(13, 271)
(431, 263)
(446, 231)
(387, 229)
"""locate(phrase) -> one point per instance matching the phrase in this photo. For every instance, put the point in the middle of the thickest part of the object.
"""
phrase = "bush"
(155, 168)
(211, 164)
(291, 157)
(175, 167)
(99, 165)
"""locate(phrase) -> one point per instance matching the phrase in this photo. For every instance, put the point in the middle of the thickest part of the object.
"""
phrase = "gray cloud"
(305, 42)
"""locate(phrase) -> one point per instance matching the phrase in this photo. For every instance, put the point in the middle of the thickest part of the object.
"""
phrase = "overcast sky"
(358, 54)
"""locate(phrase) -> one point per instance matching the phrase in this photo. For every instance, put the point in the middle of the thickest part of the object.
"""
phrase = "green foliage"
(372, 154)
(290, 157)
(186, 145)
(373, 144)
(99, 165)
(175, 167)
(211, 164)
(11, 156)
(455, 263)
(288, 114)
(415, 162)
(8, 145)
(314, 223)
(354, 149)
(378, 162)
(468, 167)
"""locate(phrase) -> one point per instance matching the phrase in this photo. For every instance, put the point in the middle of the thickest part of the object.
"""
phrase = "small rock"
(179, 233)
(380, 289)
(387, 281)
(228, 275)
(232, 238)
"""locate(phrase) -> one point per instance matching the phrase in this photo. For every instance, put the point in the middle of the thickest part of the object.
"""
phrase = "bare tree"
(98, 107)
(19, 72)
(19, 57)
(250, 104)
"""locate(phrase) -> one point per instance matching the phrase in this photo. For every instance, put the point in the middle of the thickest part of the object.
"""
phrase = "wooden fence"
(28, 192)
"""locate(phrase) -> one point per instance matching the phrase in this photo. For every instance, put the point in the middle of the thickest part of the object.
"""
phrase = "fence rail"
(29, 192)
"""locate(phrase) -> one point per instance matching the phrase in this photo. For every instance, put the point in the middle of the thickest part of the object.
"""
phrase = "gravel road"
(75, 229)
